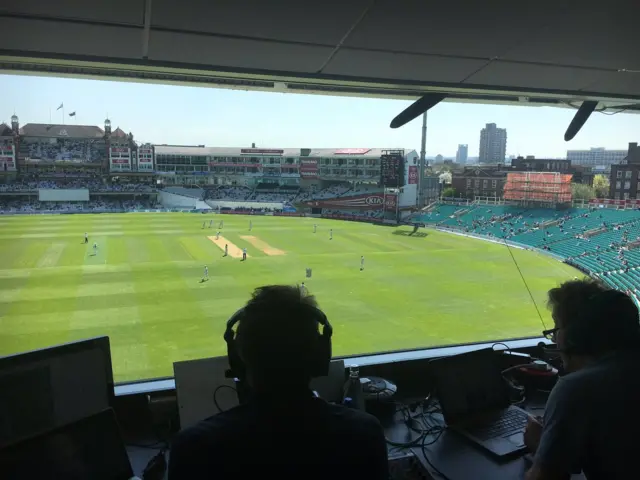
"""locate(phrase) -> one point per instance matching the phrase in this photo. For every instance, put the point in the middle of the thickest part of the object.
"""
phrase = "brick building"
(479, 181)
(625, 176)
(489, 180)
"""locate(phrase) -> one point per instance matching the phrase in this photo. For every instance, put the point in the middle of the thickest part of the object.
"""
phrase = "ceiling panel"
(323, 22)
(454, 27)
(402, 66)
(70, 38)
(534, 76)
(623, 83)
(117, 11)
(229, 52)
(605, 38)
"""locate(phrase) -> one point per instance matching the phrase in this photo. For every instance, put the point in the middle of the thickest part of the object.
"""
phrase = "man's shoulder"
(210, 429)
(595, 377)
(354, 420)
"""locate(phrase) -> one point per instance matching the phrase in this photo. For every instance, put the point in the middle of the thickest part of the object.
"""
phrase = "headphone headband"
(320, 357)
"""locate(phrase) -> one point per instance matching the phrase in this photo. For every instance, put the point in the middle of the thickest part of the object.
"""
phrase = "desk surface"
(458, 458)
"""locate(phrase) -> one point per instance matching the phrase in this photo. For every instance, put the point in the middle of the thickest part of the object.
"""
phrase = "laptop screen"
(46, 388)
(91, 448)
(469, 383)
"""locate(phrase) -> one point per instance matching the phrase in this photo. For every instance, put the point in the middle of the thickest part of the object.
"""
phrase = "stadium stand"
(602, 242)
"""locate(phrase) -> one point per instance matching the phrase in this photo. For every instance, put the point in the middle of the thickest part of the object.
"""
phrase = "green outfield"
(143, 287)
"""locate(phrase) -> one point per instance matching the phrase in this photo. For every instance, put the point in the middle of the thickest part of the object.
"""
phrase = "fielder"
(244, 254)
(86, 237)
(226, 250)
(95, 248)
(250, 225)
(315, 227)
(210, 223)
(362, 263)
(331, 234)
(206, 273)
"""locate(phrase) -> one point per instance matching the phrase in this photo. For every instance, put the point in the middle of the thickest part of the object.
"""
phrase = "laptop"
(475, 401)
(91, 448)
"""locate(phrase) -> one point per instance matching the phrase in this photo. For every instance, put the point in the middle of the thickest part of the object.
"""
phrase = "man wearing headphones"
(591, 420)
(282, 430)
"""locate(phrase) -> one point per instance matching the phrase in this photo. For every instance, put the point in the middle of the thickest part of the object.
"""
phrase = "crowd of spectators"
(69, 150)
(93, 184)
(228, 193)
(26, 206)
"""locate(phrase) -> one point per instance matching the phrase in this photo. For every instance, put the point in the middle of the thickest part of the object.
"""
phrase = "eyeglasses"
(550, 334)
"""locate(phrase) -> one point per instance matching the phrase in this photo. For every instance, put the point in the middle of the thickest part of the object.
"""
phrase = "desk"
(458, 458)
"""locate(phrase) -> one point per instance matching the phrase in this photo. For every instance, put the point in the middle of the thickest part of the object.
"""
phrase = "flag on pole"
(72, 114)
(61, 106)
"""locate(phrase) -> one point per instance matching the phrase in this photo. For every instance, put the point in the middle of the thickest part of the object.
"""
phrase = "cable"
(215, 393)
(525, 284)
(507, 347)
(426, 457)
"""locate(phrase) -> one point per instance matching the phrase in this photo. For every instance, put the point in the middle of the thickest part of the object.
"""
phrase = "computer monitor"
(47, 388)
(87, 449)
(203, 389)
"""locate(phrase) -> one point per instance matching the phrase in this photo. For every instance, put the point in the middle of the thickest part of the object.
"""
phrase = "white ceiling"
(553, 51)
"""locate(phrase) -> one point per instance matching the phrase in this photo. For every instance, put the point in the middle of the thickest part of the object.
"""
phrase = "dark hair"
(568, 301)
(278, 330)
(598, 319)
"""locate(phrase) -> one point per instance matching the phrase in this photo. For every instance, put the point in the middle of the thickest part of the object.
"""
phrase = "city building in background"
(489, 180)
(599, 159)
(493, 144)
(580, 173)
(462, 154)
(479, 181)
(625, 176)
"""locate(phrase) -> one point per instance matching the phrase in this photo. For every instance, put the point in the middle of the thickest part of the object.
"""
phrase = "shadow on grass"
(407, 233)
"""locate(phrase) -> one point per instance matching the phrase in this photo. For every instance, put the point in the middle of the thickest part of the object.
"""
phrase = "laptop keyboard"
(511, 421)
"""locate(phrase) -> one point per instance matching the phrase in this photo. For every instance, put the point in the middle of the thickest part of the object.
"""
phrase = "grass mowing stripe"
(143, 287)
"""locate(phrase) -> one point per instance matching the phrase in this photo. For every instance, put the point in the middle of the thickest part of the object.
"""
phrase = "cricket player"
(95, 248)
(303, 289)
(221, 224)
(244, 254)
(203, 224)
(250, 225)
(210, 223)
(331, 234)
(362, 263)
(218, 235)
(226, 250)
(315, 227)
(206, 273)
(86, 237)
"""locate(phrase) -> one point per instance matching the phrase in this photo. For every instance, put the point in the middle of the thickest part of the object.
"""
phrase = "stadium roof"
(5, 130)
(280, 152)
(118, 132)
(61, 131)
(547, 52)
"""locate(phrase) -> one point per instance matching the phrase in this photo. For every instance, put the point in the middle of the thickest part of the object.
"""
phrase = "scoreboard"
(392, 170)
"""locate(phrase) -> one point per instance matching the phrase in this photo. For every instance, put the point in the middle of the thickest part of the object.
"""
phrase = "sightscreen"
(63, 195)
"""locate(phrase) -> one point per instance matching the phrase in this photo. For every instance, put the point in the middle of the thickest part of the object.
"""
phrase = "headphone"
(320, 357)
(595, 331)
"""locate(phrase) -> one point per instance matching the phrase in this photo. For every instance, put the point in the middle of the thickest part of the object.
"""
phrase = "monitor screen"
(91, 448)
(47, 388)
(469, 383)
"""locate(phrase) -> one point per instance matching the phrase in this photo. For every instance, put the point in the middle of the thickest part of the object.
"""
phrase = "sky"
(182, 115)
